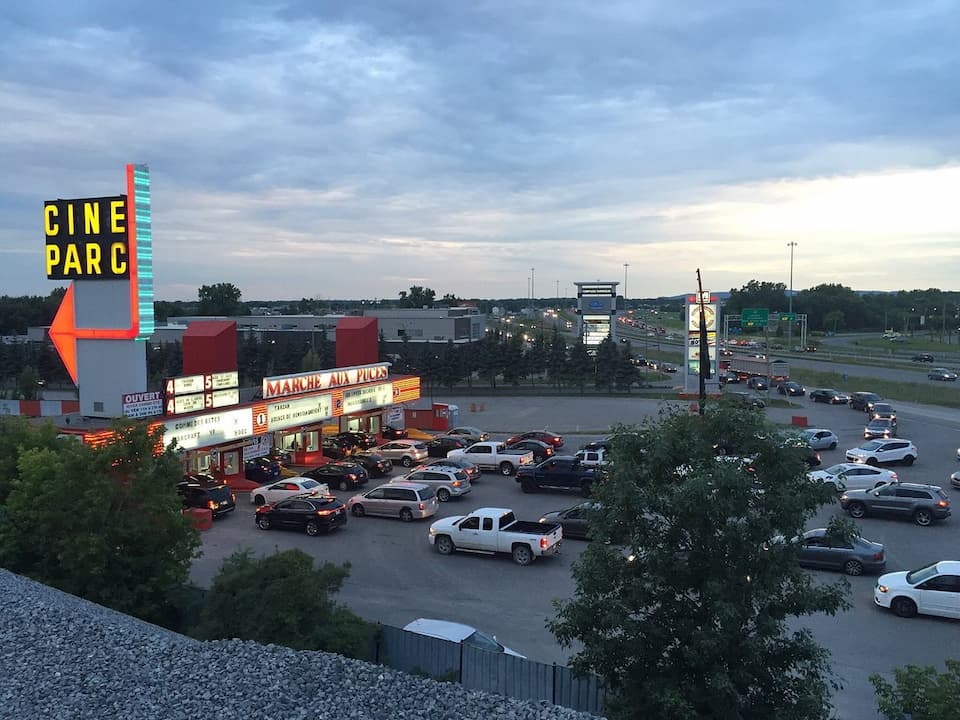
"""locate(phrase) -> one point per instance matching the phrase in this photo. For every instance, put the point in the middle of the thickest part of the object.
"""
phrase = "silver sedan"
(821, 438)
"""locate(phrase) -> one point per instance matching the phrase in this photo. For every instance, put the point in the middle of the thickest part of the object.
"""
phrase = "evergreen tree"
(625, 374)
(580, 366)
(606, 361)
(450, 370)
(557, 359)
(537, 356)
(514, 363)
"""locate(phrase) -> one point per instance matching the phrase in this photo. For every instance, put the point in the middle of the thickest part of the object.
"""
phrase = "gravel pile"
(63, 657)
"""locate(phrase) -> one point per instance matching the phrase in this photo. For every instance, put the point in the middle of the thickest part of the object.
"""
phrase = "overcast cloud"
(354, 148)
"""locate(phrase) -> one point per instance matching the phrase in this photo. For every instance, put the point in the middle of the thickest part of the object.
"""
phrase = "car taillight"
(211, 504)
(352, 476)
(456, 483)
(324, 513)
(543, 543)
(421, 506)
(943, 503)
(878, 556)
(893, 476)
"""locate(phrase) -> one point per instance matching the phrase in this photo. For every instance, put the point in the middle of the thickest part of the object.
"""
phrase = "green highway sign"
(755, 317)
(788, 316)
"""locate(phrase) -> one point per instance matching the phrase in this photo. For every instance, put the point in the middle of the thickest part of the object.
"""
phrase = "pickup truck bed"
(531, 528)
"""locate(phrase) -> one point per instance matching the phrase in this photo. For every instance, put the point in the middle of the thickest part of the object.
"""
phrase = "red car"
(542, 435)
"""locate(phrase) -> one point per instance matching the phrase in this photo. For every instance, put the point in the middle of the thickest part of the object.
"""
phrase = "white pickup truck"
(493, 530)
(492, 455)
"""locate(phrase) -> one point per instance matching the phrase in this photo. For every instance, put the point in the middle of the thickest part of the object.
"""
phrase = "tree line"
(835, 307)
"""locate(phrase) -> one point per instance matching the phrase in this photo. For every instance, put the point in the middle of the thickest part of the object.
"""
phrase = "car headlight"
(844, 497)
(882, 588)
(432, 531)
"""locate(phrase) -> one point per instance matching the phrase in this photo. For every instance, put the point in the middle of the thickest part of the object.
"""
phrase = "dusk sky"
(354, 148)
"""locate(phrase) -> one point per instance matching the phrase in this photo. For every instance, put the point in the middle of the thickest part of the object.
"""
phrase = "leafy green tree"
(579, 367)
(220, 299)
(833, 320)
(757, 294)
(18, 435)
(27, 383)
(283, 599)
(110, 520)
(920, 693)
(683, 601)
(417, 297)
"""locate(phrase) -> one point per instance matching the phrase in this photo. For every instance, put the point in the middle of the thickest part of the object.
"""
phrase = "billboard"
(86, 239)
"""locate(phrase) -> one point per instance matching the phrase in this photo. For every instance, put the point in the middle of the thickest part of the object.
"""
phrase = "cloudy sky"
(353, 148)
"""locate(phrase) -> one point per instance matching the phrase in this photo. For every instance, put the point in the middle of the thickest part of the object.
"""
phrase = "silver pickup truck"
(496, 530)
(492, 455)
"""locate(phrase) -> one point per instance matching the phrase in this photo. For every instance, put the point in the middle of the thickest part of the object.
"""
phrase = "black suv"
(203, 491)
(864, 401)
(312, 515)
(923, 503)
(922, 357)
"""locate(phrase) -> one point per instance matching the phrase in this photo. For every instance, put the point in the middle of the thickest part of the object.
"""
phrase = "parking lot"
(396, 576)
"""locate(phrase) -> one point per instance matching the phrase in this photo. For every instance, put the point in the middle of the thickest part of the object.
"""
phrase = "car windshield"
(872, 445)
(835, 469)
(479, 640)
(310, 484)
(918, 576)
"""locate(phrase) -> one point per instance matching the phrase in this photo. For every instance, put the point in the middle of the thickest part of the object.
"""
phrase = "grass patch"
(943, 394)
(925, 344)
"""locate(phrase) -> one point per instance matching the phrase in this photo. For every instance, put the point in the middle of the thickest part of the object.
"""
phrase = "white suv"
(447, 482)
(879, 452)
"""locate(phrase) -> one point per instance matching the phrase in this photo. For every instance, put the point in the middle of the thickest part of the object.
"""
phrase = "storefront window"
(231, 462)
(374, 424)
(352, 425)
(312, 440)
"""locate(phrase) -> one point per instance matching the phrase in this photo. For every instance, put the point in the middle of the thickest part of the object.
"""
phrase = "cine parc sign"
(87, 239)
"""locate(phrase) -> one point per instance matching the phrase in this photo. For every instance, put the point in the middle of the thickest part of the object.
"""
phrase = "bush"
(283, 599)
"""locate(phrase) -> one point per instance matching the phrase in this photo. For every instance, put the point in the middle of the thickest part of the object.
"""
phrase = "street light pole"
(625, 266)
(532, 292)
(790, 245)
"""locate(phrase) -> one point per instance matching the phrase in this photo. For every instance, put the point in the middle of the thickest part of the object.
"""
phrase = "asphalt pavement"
(396, 576)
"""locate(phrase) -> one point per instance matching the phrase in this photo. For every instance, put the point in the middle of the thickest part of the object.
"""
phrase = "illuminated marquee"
(87, 239)
(286, 385)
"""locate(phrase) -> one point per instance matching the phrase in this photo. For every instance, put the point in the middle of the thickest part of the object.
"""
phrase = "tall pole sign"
(705, 304)
(104, 247)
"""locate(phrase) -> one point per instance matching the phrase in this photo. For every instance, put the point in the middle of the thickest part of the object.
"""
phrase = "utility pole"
(558, 293)
(790, 245)
(625, 266)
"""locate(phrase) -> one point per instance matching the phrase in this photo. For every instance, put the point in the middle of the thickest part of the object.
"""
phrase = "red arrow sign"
(64, 331)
